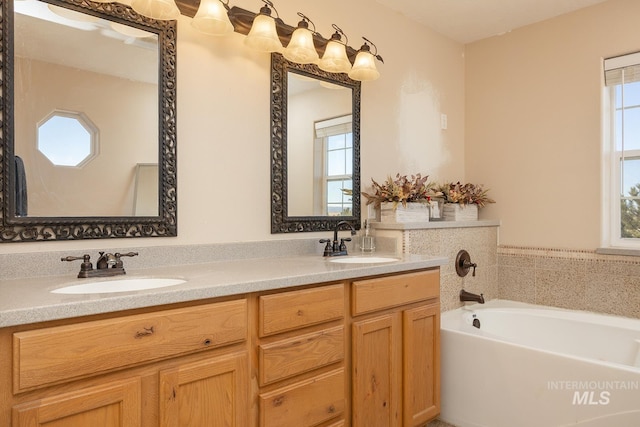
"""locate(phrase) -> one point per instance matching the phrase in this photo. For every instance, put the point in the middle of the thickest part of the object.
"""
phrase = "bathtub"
(534, 366)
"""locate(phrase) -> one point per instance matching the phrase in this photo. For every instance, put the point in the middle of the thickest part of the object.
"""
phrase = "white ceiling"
(467, 21)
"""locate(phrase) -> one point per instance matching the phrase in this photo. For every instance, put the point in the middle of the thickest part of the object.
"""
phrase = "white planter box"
(413, 212)
(456, 212)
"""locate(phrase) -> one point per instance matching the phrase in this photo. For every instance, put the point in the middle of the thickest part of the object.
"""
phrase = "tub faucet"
(333, 248)
(468, 296)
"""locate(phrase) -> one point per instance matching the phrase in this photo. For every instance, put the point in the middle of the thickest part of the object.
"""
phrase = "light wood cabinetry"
(396, 350)
(206, 393)
(115, 404)
(358, 353)
(301, 354)
(179, 367)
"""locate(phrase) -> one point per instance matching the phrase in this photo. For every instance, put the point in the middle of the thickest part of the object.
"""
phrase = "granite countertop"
(29, 300)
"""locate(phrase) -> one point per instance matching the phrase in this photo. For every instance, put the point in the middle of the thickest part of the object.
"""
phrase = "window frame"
(612, 158)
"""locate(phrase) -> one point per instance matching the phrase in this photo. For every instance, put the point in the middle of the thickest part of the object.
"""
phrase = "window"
(336, 138)
(67, 138)
(622, 151)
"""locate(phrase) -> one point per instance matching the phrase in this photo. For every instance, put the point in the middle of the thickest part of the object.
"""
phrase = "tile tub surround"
(574, 279)
(447, 238)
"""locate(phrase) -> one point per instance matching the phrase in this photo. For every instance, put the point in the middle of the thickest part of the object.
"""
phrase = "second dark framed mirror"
(315, 148)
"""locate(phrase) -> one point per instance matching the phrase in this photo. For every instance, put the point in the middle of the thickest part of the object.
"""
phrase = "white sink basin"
(120, 285)
(362, 259)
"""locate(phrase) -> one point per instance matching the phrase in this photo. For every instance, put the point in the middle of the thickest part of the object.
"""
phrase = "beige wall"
(105, 184)
(223, 120)
(533, 123)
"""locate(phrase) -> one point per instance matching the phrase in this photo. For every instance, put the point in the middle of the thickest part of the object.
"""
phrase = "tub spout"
(468, 296)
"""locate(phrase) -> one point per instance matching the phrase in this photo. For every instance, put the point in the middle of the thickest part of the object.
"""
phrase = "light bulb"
(364, 67)
(301, 48)
(212, 18)
(162, 10)
(263, 35)
(335, 58)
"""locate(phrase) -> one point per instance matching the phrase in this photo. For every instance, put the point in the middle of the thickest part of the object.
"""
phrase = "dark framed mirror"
(315, 148)
(88, 146)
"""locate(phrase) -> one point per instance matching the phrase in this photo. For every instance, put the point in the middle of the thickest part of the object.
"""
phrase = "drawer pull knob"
(145, 332)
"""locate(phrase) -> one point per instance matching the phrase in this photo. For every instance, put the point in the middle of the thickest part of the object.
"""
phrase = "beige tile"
(559, 289)
(516, 261)
(450, 286)
(617, 295)
(517, 284)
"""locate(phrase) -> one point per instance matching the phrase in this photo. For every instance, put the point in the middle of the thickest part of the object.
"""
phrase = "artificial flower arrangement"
(464, 194)
(402, 190)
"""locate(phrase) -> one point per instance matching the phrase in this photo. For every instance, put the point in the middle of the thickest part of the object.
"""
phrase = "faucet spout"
(105, 260)
(335, 247)
(469, 296)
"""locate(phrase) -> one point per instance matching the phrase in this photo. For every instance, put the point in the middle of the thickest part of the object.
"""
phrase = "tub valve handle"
(464, 264)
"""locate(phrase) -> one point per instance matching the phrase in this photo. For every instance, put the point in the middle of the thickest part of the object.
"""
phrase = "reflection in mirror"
(69, 63)
(88, 122)
(315, 148)
(319, 147)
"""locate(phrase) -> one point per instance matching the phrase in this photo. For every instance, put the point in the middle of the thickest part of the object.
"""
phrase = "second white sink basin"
(362, 259)
(120, 285)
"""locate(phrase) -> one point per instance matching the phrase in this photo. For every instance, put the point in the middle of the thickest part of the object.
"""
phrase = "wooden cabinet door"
(115, 404)
(209, 393)
(421, 364)
(376, 371)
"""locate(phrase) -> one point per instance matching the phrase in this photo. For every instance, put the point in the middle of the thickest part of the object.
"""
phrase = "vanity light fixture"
(335, 59)
(212, 18)
(301, 49)
(364, 66)
(162, 10)
(263, 35)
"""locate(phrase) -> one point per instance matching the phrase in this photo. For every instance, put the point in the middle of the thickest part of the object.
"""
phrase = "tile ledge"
(618, 251)
(434, 224)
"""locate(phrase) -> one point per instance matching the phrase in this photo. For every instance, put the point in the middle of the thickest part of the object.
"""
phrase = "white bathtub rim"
(513, 306)
(561, 313)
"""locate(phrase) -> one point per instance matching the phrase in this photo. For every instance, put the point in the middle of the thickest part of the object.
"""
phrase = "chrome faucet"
(333, 248)
(107, 265)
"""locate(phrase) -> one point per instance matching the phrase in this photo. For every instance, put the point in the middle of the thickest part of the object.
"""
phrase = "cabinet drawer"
(303, 353)
(386, 292)
(306, 403)
(53, 355)
(296, 309)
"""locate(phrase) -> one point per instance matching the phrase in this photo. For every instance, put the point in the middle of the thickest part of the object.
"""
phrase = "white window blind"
(336, 126)
(622, 69)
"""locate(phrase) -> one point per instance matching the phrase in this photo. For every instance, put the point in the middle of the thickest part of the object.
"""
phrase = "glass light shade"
(212, 18)
(162, 10)
(335, 58)
(364, 67)
(263, 35)
(301, 49)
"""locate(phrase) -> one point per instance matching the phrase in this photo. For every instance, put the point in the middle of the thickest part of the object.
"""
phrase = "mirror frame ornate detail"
(31, 229)
(281, 222)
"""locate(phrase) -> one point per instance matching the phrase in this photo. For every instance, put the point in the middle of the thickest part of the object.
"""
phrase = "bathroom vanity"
(343, 345)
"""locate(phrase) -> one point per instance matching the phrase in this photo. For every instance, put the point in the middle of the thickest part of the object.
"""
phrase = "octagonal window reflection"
(67, 138)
